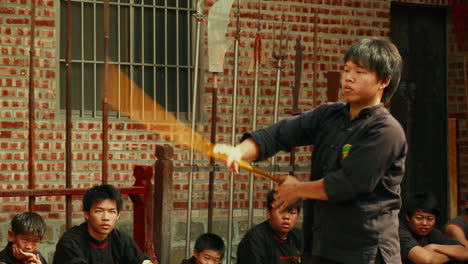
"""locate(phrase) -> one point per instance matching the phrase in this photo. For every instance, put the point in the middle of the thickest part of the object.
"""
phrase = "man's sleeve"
(381, 150)
(68, 251)
(288, 133)
(251, 251)
(407, 241)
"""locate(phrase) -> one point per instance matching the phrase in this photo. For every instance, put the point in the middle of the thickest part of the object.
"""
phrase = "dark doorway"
(420, 103)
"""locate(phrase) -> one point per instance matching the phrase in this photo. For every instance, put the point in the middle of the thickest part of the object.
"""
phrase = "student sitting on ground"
(27, 231)
(276, 240)
(457, 228)
(96, 241)
(209, 249)
(422, 243)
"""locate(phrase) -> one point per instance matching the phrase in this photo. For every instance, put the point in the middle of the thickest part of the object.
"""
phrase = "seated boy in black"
(27, 231)
(422, 243)
(209, 249)
(276, 240)
(96, 241)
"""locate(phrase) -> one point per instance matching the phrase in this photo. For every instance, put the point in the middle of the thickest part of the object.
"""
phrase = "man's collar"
(366, 111)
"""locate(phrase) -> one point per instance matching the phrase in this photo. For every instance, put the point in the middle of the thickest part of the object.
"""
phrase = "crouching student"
(420, 241)
(25, 235)
(96, 241)
(274, 241)
(209, 249)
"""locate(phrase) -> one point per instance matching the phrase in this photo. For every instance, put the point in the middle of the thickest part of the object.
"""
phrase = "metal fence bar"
(142, 61)
(94, 64)
(177, 62)
(129, 64)
(82, 64)
(132, 44)
(154, 62)
(189, 55)
(166, 101)
(118, 59)
(105, 117)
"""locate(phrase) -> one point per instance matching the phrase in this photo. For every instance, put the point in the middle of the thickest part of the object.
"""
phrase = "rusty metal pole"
(314, 79)
(233, 134)
(32, 117)
(279, 56)
(257, 58)
(68, 121)
(199, 17)
(105, 114)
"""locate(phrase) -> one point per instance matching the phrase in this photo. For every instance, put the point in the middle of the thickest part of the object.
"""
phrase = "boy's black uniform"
(191, 260)
(409, 240)
(362, 164)
(6, 255)
(261, 245)
(76, 246)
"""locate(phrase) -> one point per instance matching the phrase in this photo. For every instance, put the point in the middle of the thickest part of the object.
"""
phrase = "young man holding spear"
(351, 215)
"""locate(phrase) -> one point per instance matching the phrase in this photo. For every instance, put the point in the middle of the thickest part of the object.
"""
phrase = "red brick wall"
(340, 23)
(14, 82)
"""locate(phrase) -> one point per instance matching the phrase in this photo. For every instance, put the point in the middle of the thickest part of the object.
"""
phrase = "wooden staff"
(200, 143)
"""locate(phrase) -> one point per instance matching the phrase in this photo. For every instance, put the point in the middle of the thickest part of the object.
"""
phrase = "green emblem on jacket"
(345, 151)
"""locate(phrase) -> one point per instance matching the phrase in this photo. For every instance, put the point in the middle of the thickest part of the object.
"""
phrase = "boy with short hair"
(27, 231)
(277, 240)
(420, 241)
(96, 241)
(209, 249)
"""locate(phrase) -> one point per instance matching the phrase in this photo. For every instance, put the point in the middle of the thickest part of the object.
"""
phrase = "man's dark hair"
(210, 241)
(100, 193)
(421, 201)
(271, 199)
(28, 222)
(380, 56)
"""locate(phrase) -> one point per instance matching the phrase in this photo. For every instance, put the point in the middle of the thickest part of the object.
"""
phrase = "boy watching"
(27, 231)
(96, 241)
(274, 241)
(209, 249)
(420, 241)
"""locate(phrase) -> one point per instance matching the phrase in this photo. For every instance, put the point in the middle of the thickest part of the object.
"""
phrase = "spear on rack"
(254, 66)
(279, 55)
(296, 89)
(199, 18)
(218, 20)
